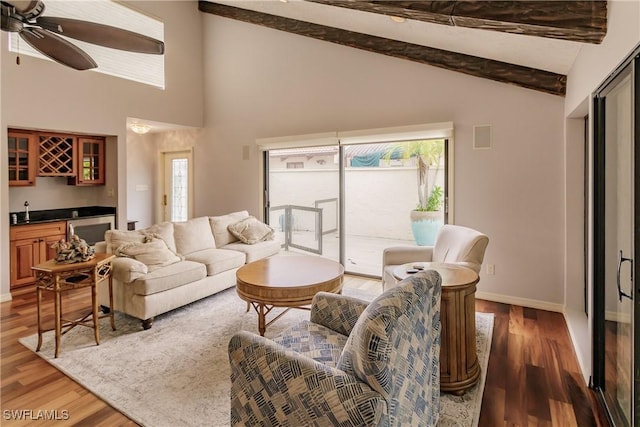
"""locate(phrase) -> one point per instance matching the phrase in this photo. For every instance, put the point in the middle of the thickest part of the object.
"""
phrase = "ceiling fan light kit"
(41, 33)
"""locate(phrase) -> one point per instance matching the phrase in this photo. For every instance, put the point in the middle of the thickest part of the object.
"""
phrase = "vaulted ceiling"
(527, 43)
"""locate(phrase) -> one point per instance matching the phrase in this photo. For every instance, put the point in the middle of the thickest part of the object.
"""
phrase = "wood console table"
(59, 278)
(459, 368)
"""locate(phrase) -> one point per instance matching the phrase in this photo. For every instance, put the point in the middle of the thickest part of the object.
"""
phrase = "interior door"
(614, 252)
(177, 199)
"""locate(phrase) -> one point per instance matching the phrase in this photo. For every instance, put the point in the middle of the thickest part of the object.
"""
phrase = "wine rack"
(56, 155)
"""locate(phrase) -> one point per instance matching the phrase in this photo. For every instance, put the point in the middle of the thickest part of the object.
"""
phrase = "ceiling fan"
(25, 18)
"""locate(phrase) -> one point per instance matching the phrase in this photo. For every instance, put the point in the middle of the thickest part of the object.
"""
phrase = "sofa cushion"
(250, 230)
(255, 252)
(153, 253)
(169, 277)
(218, 260)
(164, 231)
(193, 235)
(117, 238)
(219, 226)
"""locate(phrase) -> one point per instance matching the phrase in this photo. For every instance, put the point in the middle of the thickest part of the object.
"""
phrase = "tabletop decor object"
(75, 250)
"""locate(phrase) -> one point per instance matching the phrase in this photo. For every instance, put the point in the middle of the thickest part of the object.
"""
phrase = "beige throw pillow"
(251, 231)
(117, 238)
(164, 231)
(193, 235)
(220, 225)
(154, 254)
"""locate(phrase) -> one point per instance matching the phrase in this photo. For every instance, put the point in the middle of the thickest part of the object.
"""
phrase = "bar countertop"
(51, 215)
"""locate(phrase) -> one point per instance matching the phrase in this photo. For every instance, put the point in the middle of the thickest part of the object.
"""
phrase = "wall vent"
(481, 136)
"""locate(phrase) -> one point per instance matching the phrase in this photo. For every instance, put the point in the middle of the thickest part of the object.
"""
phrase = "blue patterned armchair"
(352, 364)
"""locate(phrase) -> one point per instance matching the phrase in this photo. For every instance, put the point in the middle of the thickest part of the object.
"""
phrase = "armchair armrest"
(397, 255)
(269, 382)
(472, 265)
(336, 312)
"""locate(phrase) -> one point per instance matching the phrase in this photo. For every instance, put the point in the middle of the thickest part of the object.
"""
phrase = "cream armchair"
(454, 244)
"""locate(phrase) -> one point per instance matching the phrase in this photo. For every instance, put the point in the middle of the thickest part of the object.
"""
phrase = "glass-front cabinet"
(80, 158)
(90, 161)
(23, 153)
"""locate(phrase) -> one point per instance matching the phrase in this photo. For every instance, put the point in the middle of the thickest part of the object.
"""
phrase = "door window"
(176, 199)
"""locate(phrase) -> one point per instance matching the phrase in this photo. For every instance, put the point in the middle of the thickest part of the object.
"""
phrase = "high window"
(143, 68)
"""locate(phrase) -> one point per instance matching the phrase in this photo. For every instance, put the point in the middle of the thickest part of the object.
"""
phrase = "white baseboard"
(524, 302)
(578, 326)
(5, 297)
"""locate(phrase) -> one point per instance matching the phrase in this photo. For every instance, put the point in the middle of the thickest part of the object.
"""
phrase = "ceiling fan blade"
(103, 35)
(57, 49)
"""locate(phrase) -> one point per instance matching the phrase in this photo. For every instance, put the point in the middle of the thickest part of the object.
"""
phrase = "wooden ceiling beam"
(580, 21)
(527, 77)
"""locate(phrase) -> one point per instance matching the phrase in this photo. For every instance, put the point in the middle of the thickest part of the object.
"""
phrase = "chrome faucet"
(26, 211)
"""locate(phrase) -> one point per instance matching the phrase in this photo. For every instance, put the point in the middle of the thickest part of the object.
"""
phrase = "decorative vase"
(425, 226)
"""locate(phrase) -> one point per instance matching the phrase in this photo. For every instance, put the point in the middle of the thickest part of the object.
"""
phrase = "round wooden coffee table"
(286, 281)
(459, 368)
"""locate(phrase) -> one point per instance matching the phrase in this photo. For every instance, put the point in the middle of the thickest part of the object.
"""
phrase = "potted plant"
(427, 217)
(427, 220)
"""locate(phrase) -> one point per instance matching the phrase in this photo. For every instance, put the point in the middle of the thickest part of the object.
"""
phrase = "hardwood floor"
(533, 378)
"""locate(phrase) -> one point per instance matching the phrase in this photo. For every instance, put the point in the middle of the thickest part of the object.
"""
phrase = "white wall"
(268, 83)
(142, 161)
(40, 94)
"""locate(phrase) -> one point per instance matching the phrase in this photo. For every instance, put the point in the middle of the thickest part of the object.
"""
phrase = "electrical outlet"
(110, 192)
(491, 269)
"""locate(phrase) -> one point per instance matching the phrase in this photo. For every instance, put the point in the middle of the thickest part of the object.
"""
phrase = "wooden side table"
(59, 278)
(459, 368)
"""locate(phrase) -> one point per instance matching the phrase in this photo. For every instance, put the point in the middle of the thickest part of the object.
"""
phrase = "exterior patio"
(363, 254)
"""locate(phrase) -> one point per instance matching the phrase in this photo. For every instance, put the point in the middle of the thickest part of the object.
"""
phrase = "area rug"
(177, 372)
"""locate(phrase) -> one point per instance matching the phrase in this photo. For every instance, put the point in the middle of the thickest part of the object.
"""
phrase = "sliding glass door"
(615, 245)
(383, 183)
(350, 202)
(302, 192)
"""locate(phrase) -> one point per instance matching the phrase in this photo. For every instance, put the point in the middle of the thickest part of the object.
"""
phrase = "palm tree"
(428, 153)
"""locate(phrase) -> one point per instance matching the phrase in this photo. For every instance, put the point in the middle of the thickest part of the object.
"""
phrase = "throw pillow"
(220, 224)
(154, 254)
(193, 235)
(117, 238)
(251, 230)
(164, 231)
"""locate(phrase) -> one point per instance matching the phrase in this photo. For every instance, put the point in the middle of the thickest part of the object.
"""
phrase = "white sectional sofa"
(172, 264)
